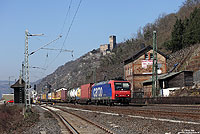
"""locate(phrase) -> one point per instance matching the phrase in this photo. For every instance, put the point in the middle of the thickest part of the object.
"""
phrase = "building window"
(131, 71)
(151, 56)
(146, 57)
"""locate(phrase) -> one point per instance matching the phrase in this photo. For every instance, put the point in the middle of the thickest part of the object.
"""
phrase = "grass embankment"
(12, 120)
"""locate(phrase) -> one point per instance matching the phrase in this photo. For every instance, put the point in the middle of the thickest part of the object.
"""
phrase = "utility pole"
(155, 66)
(26, 69)
(23, 70)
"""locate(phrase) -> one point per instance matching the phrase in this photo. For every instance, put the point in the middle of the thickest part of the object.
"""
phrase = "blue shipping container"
(103, 91)
(46, 96)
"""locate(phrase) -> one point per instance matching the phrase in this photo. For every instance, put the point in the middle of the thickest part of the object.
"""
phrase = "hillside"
(93, 67)
(4, 87)
(73, 73)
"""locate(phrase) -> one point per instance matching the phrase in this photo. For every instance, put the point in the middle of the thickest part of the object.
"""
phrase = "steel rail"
(68, 124)
(69, 127)
(105, 129)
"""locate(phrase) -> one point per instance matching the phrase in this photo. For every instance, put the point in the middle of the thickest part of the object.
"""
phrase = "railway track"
(168, 113)
(131, 120)
(149, 111)
(76, 124)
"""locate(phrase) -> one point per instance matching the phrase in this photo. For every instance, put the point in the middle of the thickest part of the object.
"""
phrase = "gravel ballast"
(46, 124)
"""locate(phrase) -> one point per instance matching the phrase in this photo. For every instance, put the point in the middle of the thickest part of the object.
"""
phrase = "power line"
(62, 50)
(66, 16)
(71, 23)
(67, 32)
(46, 45)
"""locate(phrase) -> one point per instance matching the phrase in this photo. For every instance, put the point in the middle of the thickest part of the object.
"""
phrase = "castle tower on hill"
(112, 41)
(107, 48)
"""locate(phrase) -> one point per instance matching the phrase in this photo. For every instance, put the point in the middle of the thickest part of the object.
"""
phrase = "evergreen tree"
(185, 34)
(192, 32)
(177, 36)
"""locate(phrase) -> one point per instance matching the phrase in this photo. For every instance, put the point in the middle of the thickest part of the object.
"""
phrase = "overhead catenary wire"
(68, 11)
(61, 50)
(67, 32)
(67, 14)
(46, 45)
(64, 50)
(71, 23)
(60, 34)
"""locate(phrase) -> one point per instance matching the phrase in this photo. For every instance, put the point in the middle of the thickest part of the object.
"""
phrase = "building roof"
(18, 84)
(165, 76)
(140, 53)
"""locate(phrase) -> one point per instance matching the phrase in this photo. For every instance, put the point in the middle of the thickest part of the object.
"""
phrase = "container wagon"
(49, 97)
(63, 94)
(58, 95)
(78, 95)
(71, 95)
(85, 95)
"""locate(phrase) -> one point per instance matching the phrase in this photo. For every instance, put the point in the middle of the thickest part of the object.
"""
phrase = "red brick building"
(138, 67)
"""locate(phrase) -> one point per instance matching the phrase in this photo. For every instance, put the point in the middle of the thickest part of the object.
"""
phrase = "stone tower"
(112, 41)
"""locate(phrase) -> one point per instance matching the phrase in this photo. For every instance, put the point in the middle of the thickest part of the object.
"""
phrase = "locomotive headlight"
(127, 95)
(116, 95)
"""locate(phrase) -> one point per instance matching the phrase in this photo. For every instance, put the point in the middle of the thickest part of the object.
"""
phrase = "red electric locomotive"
(112, 91)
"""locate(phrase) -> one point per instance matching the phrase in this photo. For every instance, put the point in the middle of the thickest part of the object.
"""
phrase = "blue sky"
(95, 21)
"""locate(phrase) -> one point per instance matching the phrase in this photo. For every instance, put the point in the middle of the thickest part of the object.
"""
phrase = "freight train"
(106, 92)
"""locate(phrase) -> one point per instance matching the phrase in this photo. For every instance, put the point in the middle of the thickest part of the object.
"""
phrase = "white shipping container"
(49, 96)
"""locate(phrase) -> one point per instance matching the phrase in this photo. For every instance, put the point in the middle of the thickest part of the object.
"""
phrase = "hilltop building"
(107, 48)
(138, 68)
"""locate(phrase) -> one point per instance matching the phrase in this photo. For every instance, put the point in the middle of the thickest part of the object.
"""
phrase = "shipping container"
(58, 94)
(49, 97)
(40, 97)
(53, 95)
(71, 95)
(86, 91)
(78, 93)
(64, 94)
(68, 94)
(44, 97)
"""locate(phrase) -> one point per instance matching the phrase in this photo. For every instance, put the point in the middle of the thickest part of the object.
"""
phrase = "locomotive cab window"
(122, 86)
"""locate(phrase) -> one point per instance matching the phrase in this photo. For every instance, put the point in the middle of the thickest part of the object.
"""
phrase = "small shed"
(19, 91)
(169, 81)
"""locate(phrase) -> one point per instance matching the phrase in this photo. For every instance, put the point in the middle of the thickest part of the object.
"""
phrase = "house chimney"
(20, 80)
(20, 77)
